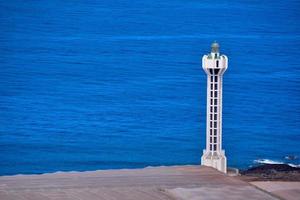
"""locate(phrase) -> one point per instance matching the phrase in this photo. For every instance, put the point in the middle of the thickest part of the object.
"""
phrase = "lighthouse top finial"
(215, 47)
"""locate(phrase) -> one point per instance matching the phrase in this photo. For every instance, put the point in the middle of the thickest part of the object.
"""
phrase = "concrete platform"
(284, 190)
(157, 183)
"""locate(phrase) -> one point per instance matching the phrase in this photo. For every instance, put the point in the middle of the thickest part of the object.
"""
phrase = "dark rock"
(270, 168)
(282, 172)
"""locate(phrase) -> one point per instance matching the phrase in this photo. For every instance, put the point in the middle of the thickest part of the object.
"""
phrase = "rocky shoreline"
(271, 172)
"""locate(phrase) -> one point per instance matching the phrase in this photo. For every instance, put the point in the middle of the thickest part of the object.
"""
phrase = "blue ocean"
(87, 85)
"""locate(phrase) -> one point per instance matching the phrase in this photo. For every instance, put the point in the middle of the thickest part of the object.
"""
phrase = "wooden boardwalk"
(157, 183)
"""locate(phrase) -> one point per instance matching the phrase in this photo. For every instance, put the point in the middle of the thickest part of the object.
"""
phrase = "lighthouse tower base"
(216, 160)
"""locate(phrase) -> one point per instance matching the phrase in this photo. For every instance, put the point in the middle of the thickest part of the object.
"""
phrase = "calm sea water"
(88, 85)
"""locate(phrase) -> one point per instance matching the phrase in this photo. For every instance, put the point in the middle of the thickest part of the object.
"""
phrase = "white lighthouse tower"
(214, 64)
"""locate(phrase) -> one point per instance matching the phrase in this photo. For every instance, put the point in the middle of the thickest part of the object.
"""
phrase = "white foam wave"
(272, 162)
(291, 157)
(293, 165)
(267, 161)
